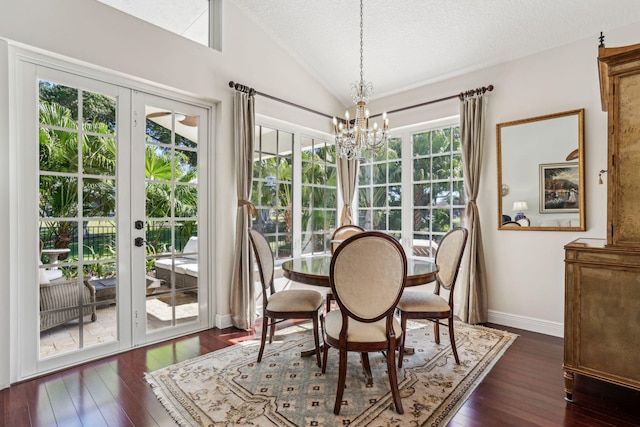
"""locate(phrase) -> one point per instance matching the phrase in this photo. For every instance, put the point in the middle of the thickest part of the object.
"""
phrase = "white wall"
(526, 269)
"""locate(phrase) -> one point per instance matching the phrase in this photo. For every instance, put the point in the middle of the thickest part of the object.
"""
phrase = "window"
(197, 20)
(319, 201)
(380, 189)
(426, 201)
(438, 184)
(272, 191)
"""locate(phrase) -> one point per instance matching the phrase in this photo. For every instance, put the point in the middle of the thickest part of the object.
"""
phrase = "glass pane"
(441, 140)
(441, 220)
(283, 247)
(379, 197)
(365, 175)
(458, 217)
(455, 136)
(99, 197)
(186, 201)
(285, 143)
(395, 219)
(99, 155)
(58, 196)
(158, 237)
(442, 194)
(380, 173)
(421, 219)
(457, 170)
(364, 197)
(284, 219)
(158, 200)
(318, 196)
(102, 276)
(421, 194)
(191, 22)
(307, 243)
(98, 112)
(58, 105)
(459, 197)
(186, 128)
(395, 195)
(99, 240)
(421, 145)
(158, 125)
(441, 167)
(379, 220)
(422, 169)
(58, 151)
(395, 148)
(186, 166)
(318, 220)
(157, 163)
(395, 172)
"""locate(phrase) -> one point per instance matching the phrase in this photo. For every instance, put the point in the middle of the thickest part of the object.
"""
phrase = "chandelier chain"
(361, 44)
(351, 139)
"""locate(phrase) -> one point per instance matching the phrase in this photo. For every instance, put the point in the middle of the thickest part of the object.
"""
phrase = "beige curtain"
(473, 305)
(243, 303)
(348, 178)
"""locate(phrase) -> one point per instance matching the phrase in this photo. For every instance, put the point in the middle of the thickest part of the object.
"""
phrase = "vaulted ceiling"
(408, 43)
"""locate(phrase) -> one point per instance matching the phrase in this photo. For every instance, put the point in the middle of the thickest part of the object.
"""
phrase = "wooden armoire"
(602, 276)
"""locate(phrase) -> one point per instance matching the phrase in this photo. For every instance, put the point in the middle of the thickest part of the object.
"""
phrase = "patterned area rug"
(227, 387)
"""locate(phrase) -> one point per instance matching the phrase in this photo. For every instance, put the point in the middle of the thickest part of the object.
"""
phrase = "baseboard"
(546, 327)
(223, 321)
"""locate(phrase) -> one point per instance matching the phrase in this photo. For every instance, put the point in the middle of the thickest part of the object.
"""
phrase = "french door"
(112, 191)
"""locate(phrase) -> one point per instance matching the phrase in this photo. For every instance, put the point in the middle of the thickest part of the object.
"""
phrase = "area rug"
(228, 387)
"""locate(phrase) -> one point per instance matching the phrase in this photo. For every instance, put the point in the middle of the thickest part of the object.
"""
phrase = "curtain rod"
(461, 96)
(252, 91)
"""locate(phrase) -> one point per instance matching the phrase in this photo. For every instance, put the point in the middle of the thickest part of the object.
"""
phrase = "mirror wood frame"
(506, 141)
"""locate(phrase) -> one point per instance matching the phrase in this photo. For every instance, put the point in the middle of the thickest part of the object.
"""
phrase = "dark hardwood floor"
(525, 388)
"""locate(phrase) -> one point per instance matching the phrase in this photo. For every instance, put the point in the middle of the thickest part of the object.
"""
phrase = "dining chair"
(426, 305)
(341, 234)
(284, 304)
(367, 275)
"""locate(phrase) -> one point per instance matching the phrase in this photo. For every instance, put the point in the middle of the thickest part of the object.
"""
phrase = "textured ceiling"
(408, 43)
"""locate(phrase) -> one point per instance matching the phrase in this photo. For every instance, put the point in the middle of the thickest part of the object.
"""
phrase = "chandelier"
(352, 138)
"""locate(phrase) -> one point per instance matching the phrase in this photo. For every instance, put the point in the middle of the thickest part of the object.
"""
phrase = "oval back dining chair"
(342, 233)
(368, 274)
(284, 304)
(426, 305)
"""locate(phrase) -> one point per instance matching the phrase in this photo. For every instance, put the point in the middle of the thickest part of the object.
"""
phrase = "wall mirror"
(541, 173)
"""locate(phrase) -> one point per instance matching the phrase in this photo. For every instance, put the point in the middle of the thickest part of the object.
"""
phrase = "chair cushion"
(359, 331)
(191, 269)
(295, 300)
(417, 301)
(166, 264)
(191, 246)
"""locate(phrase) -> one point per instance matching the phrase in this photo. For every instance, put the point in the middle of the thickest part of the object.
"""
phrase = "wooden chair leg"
(436, 330)
(453, 341)
(403, 323)
(393, 377)
(324, 357)
(342, 378)
(272, 331)
(263, 339)
(316, 339)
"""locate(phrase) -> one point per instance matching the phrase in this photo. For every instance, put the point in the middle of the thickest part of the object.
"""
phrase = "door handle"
(139, 241)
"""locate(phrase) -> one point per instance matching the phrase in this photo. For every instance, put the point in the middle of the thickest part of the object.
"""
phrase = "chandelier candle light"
(351, 139)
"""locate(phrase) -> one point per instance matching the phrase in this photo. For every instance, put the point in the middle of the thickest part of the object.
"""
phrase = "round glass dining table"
(314, 270)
